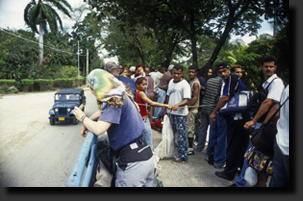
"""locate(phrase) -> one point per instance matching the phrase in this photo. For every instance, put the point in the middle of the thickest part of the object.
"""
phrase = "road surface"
(32, 152)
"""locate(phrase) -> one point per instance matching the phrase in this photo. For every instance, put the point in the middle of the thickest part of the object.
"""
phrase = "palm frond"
(59, 6)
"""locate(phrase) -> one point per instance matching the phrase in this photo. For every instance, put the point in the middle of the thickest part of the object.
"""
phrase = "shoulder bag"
(264, 138)
(238, 103)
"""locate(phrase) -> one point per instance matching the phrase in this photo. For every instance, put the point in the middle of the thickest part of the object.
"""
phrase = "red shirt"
(141, 105)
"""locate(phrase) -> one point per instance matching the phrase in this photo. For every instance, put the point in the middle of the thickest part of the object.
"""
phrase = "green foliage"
(7, 82)
(13, 89)
(27, 84)
(281, 49)
(43, 12)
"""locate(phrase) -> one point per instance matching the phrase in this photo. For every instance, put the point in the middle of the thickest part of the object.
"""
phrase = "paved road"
(47, 157)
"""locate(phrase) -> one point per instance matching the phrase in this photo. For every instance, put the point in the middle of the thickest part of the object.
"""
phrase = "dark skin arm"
(262, 110)
(271, 112)
(223, 100)
(176, 106)
(196, 94)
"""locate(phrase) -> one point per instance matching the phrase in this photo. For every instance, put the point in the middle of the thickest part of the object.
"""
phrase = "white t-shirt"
(157, 78)
(177, 92)
(282, 136)
(274, 91)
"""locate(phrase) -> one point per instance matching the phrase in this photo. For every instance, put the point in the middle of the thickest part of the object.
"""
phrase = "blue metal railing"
(87, 156)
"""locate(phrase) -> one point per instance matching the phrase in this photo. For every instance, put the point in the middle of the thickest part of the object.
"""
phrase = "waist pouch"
(134, 152)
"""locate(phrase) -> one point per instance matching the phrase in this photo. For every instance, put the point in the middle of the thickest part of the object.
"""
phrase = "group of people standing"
(191, 105)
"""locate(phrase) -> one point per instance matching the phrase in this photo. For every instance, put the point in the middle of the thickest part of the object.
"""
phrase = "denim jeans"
(218, 138)
(280, 176)
(161, 99)
(148, 133)
(240, 182)
(205, 121)
(178, 124)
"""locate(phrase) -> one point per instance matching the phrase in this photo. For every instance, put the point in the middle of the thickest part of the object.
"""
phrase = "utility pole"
(87, 57)
(78, 65)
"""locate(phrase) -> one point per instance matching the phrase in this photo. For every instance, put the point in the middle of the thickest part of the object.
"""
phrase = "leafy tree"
(19, 55)
(42, 13)
(281, 49)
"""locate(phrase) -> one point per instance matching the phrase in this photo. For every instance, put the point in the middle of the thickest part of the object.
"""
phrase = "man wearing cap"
(132, 69)
(162, 88)
(237, 136)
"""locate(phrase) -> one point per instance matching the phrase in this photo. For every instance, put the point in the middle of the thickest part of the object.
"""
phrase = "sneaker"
(219, 166)
(190, 151)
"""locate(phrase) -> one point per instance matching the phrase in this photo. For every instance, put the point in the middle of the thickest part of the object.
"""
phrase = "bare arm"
(143, 97)
(196, 94)
(94, 117)
(262, 110)
(176, 107)
(223, 100)
(97, 127)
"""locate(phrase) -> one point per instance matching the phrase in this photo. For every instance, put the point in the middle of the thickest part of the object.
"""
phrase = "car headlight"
(56, 110)
(68, 109)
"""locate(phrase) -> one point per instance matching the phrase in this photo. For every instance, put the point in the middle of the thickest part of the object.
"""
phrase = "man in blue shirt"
(113, 68)
(237, 136)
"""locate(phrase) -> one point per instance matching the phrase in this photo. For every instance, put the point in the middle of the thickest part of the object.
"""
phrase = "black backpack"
(257, 99)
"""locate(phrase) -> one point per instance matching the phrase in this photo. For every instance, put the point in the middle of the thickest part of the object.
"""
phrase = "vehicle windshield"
(67, 97)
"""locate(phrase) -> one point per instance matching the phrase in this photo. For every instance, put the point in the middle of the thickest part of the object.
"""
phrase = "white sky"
(11, 16)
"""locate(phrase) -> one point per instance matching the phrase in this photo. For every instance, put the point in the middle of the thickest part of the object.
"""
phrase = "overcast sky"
(11, 16)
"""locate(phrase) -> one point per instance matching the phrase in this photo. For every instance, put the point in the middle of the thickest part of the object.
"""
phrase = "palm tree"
(42, 13)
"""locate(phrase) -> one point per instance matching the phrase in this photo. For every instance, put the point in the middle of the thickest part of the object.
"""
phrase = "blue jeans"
(218, 138)
(205, 121)
(179, 127)
(240, 182)
(148, 133)
(160, 99)
(280, 176)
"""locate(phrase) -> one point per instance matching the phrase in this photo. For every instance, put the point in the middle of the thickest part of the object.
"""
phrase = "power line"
(18, 36)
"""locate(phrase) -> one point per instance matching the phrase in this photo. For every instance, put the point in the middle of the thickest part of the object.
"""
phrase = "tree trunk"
(41, 49)
(220, 44)
(194, 49)
(193, 38)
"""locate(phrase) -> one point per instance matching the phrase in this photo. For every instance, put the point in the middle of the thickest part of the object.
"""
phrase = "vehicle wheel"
(52, 122)
(75, 121)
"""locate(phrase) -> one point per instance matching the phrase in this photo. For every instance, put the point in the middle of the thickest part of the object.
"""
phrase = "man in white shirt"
(268, 66)
(280, 176)
(178, 96)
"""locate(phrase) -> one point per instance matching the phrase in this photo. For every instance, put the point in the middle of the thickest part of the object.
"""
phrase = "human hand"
(175, 107)
(212, 116)
(168, 107)
(248, 124)
(83, 131)
(78, 113)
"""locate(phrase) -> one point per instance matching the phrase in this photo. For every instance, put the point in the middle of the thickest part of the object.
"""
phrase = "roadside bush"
(45, 84)
(27, 84)
(7, 82)
(13, 89)
(4, 89)
(64, 82)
